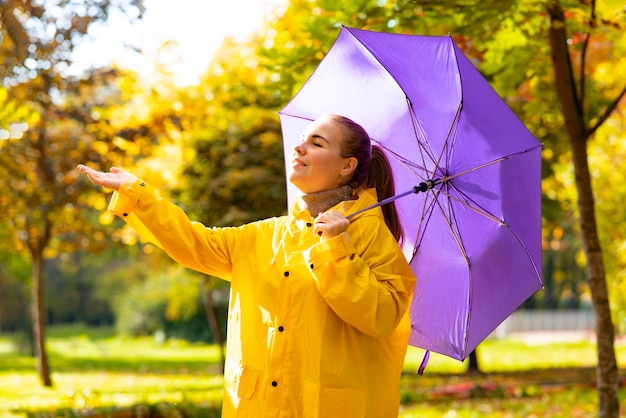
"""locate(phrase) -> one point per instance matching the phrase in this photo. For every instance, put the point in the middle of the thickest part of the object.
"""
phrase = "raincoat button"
(125, 214)
(309, 224)
(281, 329)
(142, 184)
(351, 256)
(286, 274)
(311, 266)
(274, 383)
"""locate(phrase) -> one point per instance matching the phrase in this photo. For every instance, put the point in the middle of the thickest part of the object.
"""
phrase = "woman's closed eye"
(312, 141)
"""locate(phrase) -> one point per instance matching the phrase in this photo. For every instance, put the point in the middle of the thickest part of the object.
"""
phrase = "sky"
(196, 27)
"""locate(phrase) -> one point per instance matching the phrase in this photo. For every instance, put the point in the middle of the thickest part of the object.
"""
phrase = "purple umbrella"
(469, 170)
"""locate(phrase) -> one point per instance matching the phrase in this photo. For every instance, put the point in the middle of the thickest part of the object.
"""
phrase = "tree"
(237, 174)
(38, 159)
(581, 123)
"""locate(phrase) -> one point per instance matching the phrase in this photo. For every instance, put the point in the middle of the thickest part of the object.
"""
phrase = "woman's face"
(316, 161)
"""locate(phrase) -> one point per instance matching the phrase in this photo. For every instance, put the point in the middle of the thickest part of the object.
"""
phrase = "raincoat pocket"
(244, 384)
(320, 402)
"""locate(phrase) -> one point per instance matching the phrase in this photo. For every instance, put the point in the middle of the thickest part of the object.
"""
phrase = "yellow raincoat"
(315, 328)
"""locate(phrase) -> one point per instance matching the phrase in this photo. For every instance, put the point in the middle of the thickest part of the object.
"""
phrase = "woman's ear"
(349, 166)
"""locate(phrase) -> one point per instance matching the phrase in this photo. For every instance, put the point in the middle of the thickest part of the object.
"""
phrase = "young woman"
(318, 319)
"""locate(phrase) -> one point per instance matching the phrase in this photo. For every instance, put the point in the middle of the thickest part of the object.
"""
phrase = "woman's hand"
(330, 224)
(111, 180)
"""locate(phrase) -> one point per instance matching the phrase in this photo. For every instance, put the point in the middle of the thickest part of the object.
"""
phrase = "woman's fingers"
(330, 224)
(83, 168)
(112, 180)
(90, 172)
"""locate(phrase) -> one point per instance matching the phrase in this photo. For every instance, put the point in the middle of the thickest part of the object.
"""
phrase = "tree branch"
(583, 55)
(565, 83)
(607, 112)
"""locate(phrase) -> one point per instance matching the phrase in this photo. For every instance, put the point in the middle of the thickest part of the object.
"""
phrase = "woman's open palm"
(111, 180)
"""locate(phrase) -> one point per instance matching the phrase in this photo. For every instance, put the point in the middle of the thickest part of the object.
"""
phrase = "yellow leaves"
(50, 252)
(129, 147)
(106, 218)
(177, 106)
(100, 147)
(181, 294)
(561, 186)
(16, 117)
(126, 235)
(99, 202)
(547, 154)
(268, 138)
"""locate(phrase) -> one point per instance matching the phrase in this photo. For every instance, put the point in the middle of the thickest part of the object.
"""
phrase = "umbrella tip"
(422, 367)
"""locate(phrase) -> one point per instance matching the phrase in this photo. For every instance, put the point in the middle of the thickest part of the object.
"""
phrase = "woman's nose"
(299, 149)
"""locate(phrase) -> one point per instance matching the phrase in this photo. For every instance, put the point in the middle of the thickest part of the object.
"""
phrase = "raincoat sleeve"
(166, 225)
(363, 276)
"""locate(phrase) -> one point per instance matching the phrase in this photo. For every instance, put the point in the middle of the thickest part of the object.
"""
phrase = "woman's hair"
(373, 170)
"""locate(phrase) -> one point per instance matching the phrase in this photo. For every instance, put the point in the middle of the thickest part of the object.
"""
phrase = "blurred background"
(185, 94)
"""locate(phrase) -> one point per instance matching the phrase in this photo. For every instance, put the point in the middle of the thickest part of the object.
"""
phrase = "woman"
(318, 316)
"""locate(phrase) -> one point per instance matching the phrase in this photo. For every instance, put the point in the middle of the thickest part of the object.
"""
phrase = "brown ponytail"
(373, 170)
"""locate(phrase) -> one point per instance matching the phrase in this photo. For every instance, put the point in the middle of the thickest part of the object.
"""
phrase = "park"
(511, 115)
(98, 374)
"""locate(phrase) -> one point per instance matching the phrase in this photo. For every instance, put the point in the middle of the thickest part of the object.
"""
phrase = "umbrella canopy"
(473, 232)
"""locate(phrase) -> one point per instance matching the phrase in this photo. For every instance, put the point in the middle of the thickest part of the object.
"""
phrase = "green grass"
(95, 370)
(518, 379)
(516, 355)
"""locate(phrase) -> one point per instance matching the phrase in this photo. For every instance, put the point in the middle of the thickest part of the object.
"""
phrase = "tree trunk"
(39, 319)
(211, 314)
(1, 305)
(607, 371)
(473, 366)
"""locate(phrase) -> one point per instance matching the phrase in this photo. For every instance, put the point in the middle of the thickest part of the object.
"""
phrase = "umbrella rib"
(411, 166)
(450, 218)
(447, 147)
(417, 131)
(408, 164)
(448, 215)
(478, 209)
(459, 240)
(424, 147)
(483, 212)
(428, 208)
(487, 164)
(426, 153)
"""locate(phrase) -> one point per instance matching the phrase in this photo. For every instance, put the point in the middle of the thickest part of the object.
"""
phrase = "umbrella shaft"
(422, 187)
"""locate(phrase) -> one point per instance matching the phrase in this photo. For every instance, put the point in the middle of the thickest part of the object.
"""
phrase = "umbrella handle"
(422, 187)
